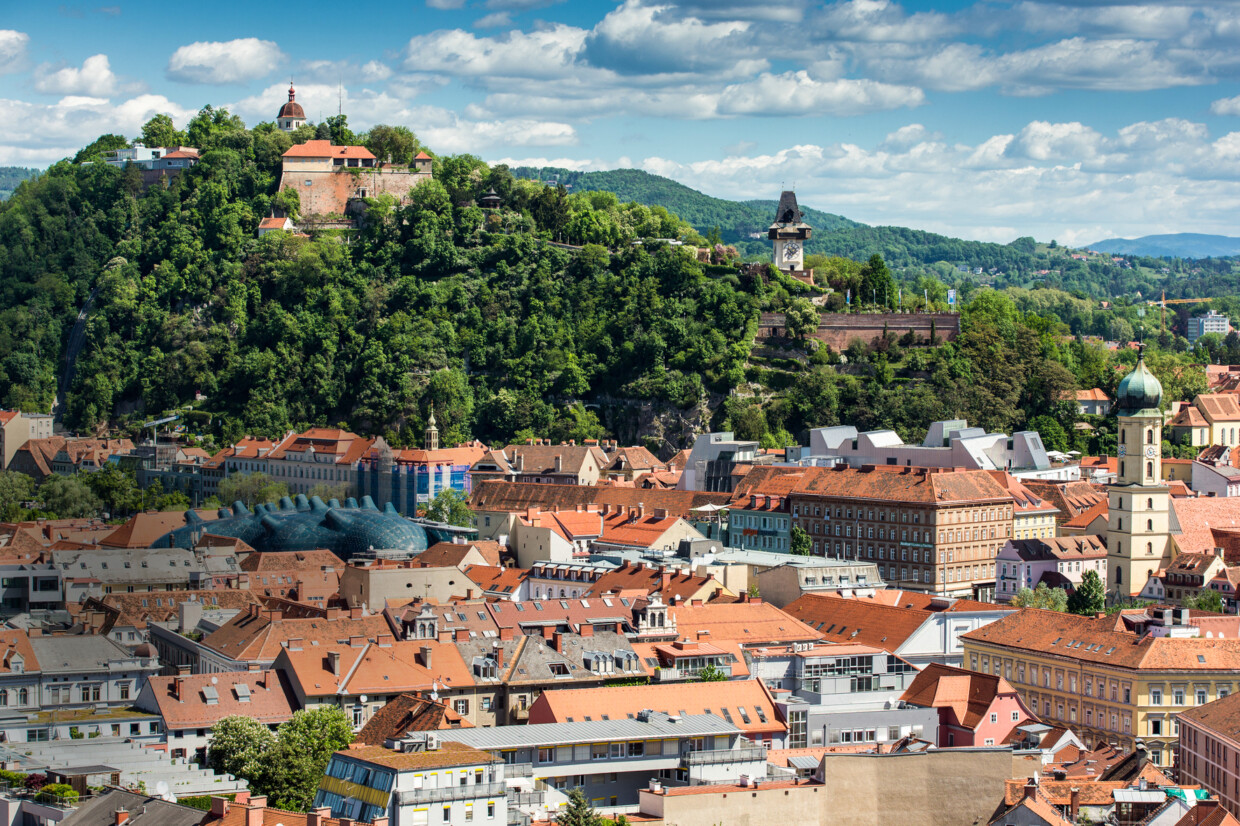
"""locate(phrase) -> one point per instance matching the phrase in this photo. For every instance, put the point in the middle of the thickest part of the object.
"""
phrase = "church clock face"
(1122, 450)
(1149, 452)
(791, 249)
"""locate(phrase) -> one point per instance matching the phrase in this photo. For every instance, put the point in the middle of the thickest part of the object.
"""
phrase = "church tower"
(430, 440)
(1139, 524)
(789, 232)
(291, 114)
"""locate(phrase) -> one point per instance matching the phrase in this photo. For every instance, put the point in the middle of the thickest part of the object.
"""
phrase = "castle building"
(1139, 524)
(790, 232)
(291, 114)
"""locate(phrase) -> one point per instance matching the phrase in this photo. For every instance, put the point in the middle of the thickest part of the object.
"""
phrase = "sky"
(1075, 120)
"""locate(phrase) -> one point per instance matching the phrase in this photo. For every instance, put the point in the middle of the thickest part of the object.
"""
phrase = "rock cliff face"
(671, 428)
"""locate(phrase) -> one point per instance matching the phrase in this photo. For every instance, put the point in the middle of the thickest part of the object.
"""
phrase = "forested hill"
(11, 176)
(740, 221)
(736, 220)
(1178, 245)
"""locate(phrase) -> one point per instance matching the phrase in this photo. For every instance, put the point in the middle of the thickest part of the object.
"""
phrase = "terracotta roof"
(16, 642)
(7, 416)
(748, 623)
(449, 753)
(160, 606)
(277, 562)
(1218, 407)
(260, 636)
(1069, 497)
(370, 668)
(1097, 640)
(927, 602)
(629, 577)
(1188, 417)
(272, 223)
(1199, 517)
(1060, 548)
(1024, 500)
(838, 619)
(1083, 519)
(897, 484)
(422, 156)
(737, 701)
(325, 149)
(451, 554)
(144, 528)
(967, 694)
(1221, 716)
(40, 452)
(346, 447)
(406, 713)
(665, 654)
(516, 497)
(1094, 395)
(720, 788)
(183, 700)
(1208, 813)
(633, 458)
(497, 580)
(1059, 792)
(1046, 814)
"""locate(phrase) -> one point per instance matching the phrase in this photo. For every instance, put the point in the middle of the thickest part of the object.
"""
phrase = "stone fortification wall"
(838, 329)
(327, 192)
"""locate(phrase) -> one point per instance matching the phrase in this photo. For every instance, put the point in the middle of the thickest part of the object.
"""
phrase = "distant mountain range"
(11, 176)
(1178, 245)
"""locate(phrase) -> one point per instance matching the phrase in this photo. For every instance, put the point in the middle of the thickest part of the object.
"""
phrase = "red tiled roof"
(748, 623)
(517, 497)
(1199, 517)
(406, 713)
(1218, 407)
(144, 528)
(967, 694)
(1094, 395)
(325, 149)
(629, 577)
(1083, 519)
(182, 700)
(1060, 547)
(838, 619)
(250, 636)
(897, 484)
(724, 699)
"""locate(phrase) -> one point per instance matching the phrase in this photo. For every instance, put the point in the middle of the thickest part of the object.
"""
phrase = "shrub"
(57, 793)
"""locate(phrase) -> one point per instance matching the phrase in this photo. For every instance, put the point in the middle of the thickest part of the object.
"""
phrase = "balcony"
(673, 674)
(515, 770)
(746, 754)
(471, 792)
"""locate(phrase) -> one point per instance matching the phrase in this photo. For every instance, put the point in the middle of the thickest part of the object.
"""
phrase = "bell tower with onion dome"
(291, 114)
(1139, 503)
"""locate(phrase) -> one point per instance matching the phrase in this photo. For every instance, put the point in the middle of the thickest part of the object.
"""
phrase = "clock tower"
(1139, 523)
(790, 232)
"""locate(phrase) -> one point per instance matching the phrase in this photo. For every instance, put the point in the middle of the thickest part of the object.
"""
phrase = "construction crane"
(1165, 301)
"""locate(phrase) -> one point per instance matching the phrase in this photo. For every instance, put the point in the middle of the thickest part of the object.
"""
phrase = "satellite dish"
(163, 791)
(215, 680)
(362, 699)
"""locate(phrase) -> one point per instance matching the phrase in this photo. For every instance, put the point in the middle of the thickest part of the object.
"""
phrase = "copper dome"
(292, 109)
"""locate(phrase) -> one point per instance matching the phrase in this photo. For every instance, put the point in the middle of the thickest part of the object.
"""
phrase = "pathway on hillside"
(77, 336)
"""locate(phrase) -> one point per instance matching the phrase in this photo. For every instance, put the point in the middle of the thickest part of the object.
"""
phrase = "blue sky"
(1075, 120)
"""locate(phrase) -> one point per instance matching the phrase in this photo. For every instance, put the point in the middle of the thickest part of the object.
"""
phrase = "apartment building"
(1112, 679)
(1210, 749)
(926, 530)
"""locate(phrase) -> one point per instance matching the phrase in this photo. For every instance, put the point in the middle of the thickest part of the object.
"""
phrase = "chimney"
(547, 631)
(665, 579)
(357, 613)
(462, 635)
(119, 817)
(587, 629)
(641, 510)
(379, 821)
(318, 817)
(357, 641)
(499, 655)
(1075, 803)
(559, 463)
(1031, 788)
(176, 688)
(445, 635)
(506, 632)
(532, 513)
(254, 813)
(333, 662)
(426, 657)
(557, 642)
(219, 806)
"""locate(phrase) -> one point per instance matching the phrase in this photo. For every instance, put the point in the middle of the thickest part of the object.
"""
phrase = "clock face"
(791, 249)
(1149, 452)
(1122, 450)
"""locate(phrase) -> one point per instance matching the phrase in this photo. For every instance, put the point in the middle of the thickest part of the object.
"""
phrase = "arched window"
(1149, 548)
(1149, 436)
(1119, 575)
(1121, 468)
(1149, 503)
(1149, 524)
(1149, 468)
(4, 696)
(23, 697)
(1122, 436)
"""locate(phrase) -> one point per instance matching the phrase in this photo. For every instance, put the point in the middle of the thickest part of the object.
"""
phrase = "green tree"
(392, 144)
(578, 811)
(1050, 599)
(1090, 596)
(1052, 433)
(117, 488)
(327, 491)
(711, 673)
(1205, 601)
(251, 489)
(238, 745)
(16, 489)
(100, 147)
(291, 771)
(801, 318)
(800, 543)
(449, 506)
(68, 497)
(161, 131)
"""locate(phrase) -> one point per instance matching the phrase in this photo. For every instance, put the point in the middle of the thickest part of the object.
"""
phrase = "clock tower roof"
(1140, 392)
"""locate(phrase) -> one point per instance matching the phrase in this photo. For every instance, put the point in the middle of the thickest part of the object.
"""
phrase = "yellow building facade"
(1113, 678)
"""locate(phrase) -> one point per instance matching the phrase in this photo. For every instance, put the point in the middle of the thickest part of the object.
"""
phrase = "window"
(1156, 726)
(548, 755)
(461, 706)
(1201, 696)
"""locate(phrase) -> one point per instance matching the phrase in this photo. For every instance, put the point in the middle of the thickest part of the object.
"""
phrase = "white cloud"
(545, 53)
(641, 39)
(12, 50)
(445, 4)
(1050, 180)
(880, 21)
(95, 78)
(796, 93)
(227, 62)
(495, 20)
(41, 134)
(1226, 106)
